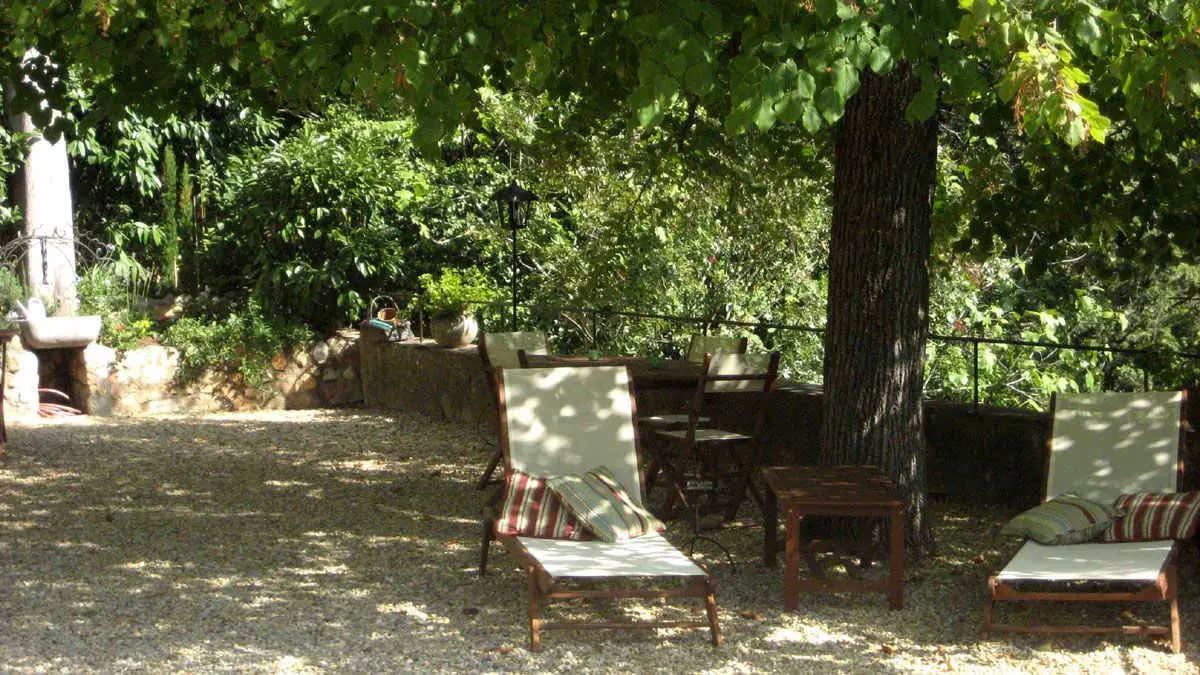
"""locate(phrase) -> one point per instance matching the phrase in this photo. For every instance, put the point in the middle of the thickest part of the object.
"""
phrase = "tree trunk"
(44, 196)
(877, 315)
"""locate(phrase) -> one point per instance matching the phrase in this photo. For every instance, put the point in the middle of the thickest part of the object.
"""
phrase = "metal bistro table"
(854, 491)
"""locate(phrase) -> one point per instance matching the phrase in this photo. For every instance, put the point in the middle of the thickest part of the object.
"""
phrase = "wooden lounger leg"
(1176, 638)
(710, 606)
(488, 525)
(989, 608)
(486, 479)
(1173, 594)
(535, 619)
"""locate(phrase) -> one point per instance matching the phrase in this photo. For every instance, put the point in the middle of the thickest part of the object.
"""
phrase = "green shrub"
(240, 345)
(342, 209)
(125, 330)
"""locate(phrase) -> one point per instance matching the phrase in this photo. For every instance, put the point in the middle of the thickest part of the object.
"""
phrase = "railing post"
(975, 372)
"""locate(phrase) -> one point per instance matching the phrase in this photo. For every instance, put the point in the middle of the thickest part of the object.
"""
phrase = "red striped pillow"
(532, 509)
(1154, 517)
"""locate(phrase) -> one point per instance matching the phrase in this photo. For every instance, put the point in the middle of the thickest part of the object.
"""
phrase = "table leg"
(896, 558)
(791, 561)
(770, 529)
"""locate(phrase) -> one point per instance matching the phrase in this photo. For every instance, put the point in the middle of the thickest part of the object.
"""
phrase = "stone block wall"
(419, 375)
(144, 380)
(449, 383)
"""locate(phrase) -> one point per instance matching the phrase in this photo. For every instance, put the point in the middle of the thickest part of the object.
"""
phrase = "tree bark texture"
(877, 314)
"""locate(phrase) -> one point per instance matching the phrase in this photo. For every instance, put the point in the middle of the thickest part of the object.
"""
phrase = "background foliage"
(653, 198)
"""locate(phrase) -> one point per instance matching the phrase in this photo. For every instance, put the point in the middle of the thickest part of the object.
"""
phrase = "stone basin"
(57, 332)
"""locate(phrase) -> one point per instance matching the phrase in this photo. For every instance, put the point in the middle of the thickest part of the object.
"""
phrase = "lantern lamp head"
(517, 199)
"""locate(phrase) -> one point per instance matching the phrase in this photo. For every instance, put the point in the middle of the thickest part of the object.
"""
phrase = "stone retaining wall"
(144, 380)
(420, 376)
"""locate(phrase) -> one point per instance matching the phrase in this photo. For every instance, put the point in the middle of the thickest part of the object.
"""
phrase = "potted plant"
(450, 298)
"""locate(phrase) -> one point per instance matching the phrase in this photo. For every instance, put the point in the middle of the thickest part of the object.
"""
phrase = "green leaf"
(698, 79)
(924, 104)
(980, 9)
(740, 118)
(859, 53)
(881, 60)
(826, 9)
(640, 97)
(648, 68)
(764, 118)
(1076, 132)
(806, 84)
(845, 79)
(665, 86)
(831, 105)
(649, 115)
(1088, 32)
(789, 110)
(811, 118)
(676, 64)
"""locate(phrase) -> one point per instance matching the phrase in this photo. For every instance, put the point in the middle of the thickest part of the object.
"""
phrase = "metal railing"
(587, 333)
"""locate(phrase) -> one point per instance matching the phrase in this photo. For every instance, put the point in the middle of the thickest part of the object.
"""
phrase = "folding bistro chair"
(700, 345)
(1102, 446)
(568, 421)
(697, 466)
(501, 350)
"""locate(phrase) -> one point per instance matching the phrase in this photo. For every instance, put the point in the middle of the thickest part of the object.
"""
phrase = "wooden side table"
(853, 491)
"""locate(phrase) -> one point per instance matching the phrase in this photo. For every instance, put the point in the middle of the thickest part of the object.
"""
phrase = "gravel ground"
(305, 542)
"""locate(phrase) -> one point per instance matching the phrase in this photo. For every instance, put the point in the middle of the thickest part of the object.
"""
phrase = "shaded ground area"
(346, 542)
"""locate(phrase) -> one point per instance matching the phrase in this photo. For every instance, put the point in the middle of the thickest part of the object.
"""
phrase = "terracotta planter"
(454, 331)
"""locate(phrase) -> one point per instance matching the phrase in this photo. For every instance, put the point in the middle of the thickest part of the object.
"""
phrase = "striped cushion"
(1066, 519)
(1154, 517)
(531, 509)
(604, 507)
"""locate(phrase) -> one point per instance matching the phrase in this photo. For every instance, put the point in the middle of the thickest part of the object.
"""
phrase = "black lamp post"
(514, 202)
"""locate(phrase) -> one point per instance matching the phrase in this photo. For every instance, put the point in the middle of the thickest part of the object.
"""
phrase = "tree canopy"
(752, 64)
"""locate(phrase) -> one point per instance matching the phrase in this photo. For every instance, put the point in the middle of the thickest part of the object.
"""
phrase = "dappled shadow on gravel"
(347, 542)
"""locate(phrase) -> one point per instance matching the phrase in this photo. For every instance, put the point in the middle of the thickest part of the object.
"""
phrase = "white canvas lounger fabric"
(650, 555)
(1134, 561)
